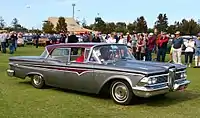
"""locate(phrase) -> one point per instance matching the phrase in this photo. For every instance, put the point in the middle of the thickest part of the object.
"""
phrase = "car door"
(80, 76)
(54, 67)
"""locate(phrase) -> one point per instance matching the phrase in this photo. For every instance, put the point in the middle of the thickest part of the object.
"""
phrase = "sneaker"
(189, 65)
(170, 61)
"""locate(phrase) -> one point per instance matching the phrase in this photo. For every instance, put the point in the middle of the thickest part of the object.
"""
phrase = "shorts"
(197, 52)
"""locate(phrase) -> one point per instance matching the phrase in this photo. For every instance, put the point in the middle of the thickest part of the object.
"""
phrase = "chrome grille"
(162, 79)
(178, 76)
(171, 79)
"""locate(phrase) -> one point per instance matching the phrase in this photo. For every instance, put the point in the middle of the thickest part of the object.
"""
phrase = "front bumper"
(10, 72)
(159, 89)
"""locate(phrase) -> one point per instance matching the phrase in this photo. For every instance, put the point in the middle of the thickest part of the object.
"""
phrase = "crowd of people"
(143, 45)
(9, 40)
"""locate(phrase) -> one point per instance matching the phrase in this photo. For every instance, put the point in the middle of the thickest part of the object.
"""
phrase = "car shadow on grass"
(98, 96)
(169, 99)
(158, 101)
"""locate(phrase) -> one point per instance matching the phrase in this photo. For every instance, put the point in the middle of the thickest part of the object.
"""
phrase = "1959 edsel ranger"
(99, 67)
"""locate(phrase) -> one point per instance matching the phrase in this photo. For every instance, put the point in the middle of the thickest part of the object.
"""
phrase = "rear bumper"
(159, 89)
(10, 72)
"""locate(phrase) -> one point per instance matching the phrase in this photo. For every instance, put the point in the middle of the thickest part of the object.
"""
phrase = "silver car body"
(145, 78)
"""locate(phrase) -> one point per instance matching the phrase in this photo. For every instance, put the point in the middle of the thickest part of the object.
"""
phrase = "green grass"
(18, 99)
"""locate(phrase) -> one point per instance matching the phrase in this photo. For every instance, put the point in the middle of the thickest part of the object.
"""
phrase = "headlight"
(147, 81)
(183, 75)
(153, 80)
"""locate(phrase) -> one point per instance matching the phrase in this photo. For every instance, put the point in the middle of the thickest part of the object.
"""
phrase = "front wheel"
(38, 81)
(121, 92)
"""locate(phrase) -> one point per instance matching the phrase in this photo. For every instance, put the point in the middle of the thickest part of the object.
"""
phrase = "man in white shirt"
(3, 37)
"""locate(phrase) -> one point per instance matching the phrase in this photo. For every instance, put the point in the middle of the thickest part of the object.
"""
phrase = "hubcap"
(37, 79)
(120, 92)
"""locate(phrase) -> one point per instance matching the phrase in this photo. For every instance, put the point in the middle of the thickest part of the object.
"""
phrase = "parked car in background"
(28, 39)
(42, 40)
(99, 68)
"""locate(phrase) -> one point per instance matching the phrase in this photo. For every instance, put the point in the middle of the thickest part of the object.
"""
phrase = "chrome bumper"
(159, 89)
(10, 72)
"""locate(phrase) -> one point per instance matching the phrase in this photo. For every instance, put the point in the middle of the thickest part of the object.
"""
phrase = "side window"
(77, 54)
(61, 54)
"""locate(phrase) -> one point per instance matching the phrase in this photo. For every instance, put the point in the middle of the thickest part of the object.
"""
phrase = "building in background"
(72, 25)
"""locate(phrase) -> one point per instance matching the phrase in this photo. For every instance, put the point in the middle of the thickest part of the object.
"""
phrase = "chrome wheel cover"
(37, 80)
(120, 92)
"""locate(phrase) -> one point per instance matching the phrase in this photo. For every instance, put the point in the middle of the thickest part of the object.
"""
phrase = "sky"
(31, 13)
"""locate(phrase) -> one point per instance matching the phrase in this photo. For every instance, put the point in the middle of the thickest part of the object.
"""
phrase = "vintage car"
(99, 68)
(42, 41)
(28, 39)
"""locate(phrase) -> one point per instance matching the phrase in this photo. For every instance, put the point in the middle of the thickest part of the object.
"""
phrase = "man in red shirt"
(80, 59)
(162, 47)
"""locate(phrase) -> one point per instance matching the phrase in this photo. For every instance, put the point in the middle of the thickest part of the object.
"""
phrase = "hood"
(145, 67)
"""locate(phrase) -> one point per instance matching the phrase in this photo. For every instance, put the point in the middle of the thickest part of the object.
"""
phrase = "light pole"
(73, 5)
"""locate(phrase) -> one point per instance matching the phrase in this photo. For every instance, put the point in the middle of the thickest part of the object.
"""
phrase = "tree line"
(186, 27)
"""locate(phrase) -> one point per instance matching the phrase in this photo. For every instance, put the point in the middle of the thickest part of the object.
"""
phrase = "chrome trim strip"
(181, 71)
(149, 90)
(159, 75)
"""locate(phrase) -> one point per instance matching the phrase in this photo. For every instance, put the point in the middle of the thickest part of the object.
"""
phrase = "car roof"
(80, 45)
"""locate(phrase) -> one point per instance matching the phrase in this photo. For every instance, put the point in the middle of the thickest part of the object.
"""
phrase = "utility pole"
(73, 5)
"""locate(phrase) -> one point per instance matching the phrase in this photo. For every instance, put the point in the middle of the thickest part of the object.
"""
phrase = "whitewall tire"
(121, 92)
(37, 81)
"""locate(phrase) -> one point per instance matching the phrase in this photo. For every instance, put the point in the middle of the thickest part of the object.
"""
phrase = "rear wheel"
(38, 81)
(121, 92)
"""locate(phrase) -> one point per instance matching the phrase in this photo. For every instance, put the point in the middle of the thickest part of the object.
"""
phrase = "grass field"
(18, 99)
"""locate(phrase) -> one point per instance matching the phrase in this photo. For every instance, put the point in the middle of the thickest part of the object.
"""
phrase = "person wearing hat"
(197, 51)
(162, 47)
(150, 45)
(177, 44)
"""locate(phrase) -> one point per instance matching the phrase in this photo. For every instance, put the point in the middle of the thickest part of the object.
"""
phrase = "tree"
(141, 25)
(61, 25)
(15, 22)
(99, 25)
(48, 27)
(110, 27)
(189, 27)
(132, 26)
(121, 27)
(150, 30)
(84, 24)
(16, 26)
(172, 29)
(2, 23)
(162, 23)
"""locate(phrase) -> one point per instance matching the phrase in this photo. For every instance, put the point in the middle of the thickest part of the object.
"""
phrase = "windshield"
(44, 54)
(113, 53)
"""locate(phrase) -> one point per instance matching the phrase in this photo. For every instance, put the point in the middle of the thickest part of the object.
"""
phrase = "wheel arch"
(106, 85)
(30, 74)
